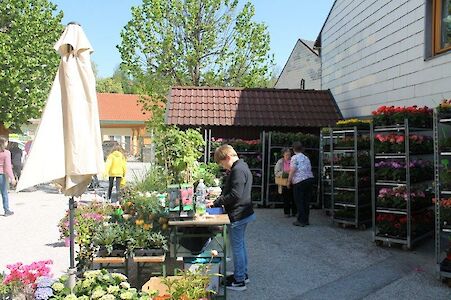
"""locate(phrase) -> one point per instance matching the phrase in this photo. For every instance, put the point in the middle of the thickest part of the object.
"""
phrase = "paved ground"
(320, 261)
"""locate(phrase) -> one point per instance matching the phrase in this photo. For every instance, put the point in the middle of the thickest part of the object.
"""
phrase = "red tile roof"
(120, 107)
(199, 106)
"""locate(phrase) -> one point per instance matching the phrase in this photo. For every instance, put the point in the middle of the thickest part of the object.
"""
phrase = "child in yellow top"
(116, 167)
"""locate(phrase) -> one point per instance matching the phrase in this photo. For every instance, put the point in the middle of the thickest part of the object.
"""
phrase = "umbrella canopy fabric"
(67, 148)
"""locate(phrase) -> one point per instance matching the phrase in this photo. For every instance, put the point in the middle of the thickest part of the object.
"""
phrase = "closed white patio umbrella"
(67, 148)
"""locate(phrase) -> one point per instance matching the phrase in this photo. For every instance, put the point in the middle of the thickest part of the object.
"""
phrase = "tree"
(193, 42)
(120, 82)
(28, 62)
(196, 42)
(109, 85)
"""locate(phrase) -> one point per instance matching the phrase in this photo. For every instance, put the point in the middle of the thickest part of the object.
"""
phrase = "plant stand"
(325, 158)
(442, 167)
(273, 154)
(407, 225)
(255, 158)
(350, 173)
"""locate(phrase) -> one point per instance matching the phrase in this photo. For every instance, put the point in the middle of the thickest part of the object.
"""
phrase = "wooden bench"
(144, 262)
(112, 263)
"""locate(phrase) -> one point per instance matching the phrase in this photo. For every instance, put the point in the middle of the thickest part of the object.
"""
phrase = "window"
(302, 84)
(441, 26)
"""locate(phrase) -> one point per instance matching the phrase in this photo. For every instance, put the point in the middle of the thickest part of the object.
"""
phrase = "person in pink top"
(6, 170)
(282, 168)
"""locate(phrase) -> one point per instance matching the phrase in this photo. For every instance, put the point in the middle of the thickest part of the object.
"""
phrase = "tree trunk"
(3, 130)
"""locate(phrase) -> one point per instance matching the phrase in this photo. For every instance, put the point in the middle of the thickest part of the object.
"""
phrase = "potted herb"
(146, 243)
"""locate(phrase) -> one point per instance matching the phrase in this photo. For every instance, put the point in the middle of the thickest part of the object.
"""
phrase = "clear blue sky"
(102, 21)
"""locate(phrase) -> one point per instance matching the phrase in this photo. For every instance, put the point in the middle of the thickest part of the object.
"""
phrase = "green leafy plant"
(151, 181)
(208, 172)
(99, 284)
(178, 151)
(107, 236)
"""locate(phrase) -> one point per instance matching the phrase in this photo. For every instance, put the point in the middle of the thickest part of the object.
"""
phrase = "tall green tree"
(196, 43)
(109, 85)
(28, 62)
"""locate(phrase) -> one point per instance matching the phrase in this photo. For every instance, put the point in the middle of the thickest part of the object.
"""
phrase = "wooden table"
(204, 221)
(219, 221)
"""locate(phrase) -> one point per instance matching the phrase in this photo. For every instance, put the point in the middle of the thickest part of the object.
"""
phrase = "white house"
(381, 52)
(302, 69)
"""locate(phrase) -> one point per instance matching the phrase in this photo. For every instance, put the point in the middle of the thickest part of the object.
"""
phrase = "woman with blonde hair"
(5, 170)
(115, 169)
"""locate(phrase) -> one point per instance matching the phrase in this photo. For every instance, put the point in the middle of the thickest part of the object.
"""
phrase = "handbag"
(281, 181)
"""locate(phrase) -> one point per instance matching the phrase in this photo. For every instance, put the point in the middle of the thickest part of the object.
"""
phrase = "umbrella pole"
(72, 271)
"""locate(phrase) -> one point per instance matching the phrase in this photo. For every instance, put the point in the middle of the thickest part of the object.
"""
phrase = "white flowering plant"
(98, 284)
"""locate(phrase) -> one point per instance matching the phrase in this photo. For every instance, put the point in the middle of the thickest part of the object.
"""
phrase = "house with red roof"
(121, 119)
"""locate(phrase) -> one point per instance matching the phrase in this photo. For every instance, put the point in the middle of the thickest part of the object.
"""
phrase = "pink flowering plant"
(395, 143)
(395, 170)
(24, 278)
(397, 197)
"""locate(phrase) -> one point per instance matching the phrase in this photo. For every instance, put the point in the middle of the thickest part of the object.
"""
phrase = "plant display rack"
(442, 174)
(401, 178)
(325, 158)
(277, 141)
(350, 175)
(253, 153)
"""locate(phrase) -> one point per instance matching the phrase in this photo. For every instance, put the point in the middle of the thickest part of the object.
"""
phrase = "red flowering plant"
(396, 225)
(22, 279)
(395, 143)
(391, 225)
(238, 144)
(445, 211)
(393, 115)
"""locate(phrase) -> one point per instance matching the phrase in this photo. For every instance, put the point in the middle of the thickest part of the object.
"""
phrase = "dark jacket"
(236, 195)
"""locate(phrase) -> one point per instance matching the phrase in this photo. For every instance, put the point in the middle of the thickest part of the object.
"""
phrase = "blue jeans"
(237, 230)
(4, 192)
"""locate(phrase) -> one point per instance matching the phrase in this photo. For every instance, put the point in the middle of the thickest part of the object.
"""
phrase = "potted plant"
(147, 243)
(108, 239)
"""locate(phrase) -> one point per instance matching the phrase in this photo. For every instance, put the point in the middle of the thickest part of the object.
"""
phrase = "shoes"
(231, 278)
(297, 223)
(9, 213)
(236, 286)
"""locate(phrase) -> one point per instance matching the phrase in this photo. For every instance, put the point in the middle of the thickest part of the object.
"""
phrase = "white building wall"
(373, 54)
(302, 64)
(107, 132)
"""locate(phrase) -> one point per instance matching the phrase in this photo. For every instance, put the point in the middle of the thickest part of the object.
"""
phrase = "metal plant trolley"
(325, 158)
(258, 171)
(442, 172)
(408, 225)
(273, 155)
(350, 176)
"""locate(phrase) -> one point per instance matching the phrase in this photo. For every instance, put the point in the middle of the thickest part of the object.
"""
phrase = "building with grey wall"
(377, 53)
(302, 65)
